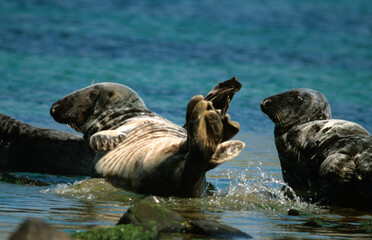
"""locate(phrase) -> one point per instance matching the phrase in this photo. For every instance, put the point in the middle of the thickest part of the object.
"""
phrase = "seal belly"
(152, 146)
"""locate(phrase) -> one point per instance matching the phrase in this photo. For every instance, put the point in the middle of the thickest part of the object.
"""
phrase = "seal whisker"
(279, 118)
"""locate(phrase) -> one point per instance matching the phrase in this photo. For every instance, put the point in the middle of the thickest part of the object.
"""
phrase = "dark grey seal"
(139, 150)
(324, 160)
(32, 149)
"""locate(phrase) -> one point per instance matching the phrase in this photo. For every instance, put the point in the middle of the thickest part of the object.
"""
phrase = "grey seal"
(31, 149)
(141, 151)
(324, 160)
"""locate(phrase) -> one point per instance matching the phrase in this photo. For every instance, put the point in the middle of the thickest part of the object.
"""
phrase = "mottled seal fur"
(141, 151)
(324, 160)
(32, 149)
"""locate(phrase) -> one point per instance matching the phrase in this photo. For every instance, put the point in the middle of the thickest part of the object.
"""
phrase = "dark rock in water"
(24, 180)
(317, 222)
(367, 226)
(151, 213)
(313, 223)
(32, 229)
(293, 212)
(122, 232)
(215, 229)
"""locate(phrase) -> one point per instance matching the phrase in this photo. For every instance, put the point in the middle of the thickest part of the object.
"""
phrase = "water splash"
(92, 189)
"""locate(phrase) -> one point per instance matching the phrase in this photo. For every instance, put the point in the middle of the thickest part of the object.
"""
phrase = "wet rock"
(24, 180)
(33, 229)
(313, 223)
(151, 213)
(215, 229)
(316, 222)
(367, 226)
(293, 212)
(122, 232)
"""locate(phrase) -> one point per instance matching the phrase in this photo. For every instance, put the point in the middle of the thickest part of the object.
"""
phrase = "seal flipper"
(107, 139)
(337, 175)
(225, 151)
(221, 96)
(337, 168)
(205, 131)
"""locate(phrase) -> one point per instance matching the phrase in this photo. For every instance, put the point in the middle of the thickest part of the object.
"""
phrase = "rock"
(215, 229)
(151, 213)
(293, 212)
(318, 222)
(33, 229)
(122, 232)
(24, 180)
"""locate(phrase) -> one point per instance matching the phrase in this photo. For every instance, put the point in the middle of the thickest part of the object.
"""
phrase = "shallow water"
(169, 51)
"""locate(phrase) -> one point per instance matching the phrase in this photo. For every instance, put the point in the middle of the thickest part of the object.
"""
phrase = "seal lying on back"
(322, 159)
(139, 150)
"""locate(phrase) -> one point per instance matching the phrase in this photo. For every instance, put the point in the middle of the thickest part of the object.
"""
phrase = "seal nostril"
(54, 108)
(266, 102)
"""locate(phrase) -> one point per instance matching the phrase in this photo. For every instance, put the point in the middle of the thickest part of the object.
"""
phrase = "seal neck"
(112, 119)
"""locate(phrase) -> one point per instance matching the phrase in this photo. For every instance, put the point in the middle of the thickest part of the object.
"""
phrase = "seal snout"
(55, 112)
(265, 105)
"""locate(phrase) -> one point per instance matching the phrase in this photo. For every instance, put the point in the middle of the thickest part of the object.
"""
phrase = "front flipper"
(336, 178)
(225, 151)
(108, 139)
(337, 168)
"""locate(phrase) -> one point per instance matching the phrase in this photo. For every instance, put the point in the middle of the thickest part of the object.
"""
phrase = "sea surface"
(169, 51)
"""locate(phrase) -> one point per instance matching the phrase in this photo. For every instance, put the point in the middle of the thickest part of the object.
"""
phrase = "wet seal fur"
(139, 150)
(324, 160)
(25, 148)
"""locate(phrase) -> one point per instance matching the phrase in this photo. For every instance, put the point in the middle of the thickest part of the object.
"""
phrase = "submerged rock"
(215, 229)
(293, 212)
(151, 219)
(151, 213)
(122, 232)
(23, 180)
(33, 229)
(148, 219)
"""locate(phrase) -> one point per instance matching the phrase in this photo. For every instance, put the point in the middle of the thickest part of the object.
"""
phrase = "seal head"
(295, 107)
(97, 107)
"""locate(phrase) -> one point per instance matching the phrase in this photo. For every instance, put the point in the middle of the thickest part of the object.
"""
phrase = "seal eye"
(93, 96)
(110, 94)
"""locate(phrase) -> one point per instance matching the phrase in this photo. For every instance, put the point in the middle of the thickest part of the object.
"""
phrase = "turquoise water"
(169, 51)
